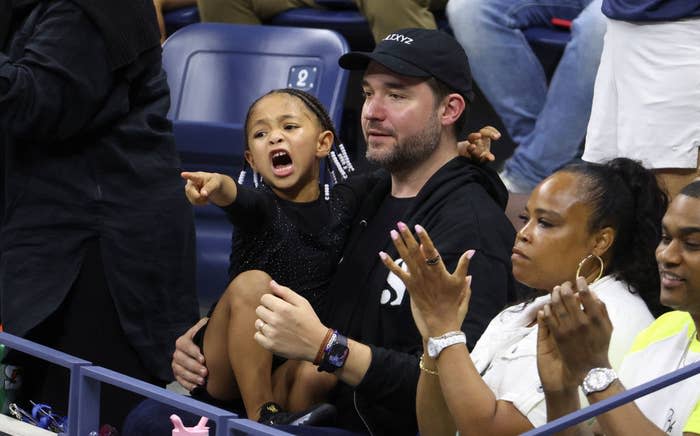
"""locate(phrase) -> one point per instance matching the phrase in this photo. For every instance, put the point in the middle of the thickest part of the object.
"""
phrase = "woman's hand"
(287, 324)
(581, 328)
(439, 300)
(555, 376)
(202, 188)
(477, 147)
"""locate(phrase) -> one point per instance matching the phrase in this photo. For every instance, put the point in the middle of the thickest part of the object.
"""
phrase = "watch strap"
(439, 343)
(335, 353)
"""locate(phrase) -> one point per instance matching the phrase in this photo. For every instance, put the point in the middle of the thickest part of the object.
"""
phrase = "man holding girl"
(416, 89)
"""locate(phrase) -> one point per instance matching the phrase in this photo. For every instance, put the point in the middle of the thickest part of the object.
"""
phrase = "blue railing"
(616, 401)
(85, 385)
(86, 380)
(73, 364)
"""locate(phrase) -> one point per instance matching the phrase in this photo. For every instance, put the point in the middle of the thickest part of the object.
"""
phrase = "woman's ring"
(433, 260)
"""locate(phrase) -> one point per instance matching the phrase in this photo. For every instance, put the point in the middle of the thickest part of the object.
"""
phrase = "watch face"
(337, 355)
(432, 348)
(598, 380)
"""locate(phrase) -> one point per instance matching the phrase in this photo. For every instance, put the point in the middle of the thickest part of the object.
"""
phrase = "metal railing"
(618, 400)
(86, 380)
(85, 385)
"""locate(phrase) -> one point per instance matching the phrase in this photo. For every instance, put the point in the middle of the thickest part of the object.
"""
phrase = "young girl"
(288, 230)
(285, 228)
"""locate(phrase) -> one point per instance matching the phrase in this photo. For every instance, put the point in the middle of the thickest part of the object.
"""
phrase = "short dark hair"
(442, 90)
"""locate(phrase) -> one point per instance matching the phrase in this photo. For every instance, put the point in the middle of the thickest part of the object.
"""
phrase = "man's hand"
(287, 324)
(439, 300)
(581, 328)
(188, 360)
(202, 188)
(477, 147)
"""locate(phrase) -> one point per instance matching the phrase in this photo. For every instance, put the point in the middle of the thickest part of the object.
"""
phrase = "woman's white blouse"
(506, 354)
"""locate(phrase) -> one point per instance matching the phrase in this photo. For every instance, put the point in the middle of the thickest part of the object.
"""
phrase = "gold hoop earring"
(585, 259)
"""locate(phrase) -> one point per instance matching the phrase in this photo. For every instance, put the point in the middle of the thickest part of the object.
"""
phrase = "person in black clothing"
(286, 228)
(416, 86)
(97, 242)
(426, 182)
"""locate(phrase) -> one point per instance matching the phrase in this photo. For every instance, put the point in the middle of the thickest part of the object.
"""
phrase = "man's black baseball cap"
(419, 53)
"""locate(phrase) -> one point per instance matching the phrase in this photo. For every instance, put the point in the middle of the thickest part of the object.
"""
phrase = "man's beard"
(411, 151)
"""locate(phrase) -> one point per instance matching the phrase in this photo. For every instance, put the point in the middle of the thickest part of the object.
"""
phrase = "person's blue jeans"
(547, 123)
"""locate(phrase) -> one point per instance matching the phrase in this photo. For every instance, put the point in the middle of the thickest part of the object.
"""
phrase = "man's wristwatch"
(436, 345)
(598, 380)
(335, 353)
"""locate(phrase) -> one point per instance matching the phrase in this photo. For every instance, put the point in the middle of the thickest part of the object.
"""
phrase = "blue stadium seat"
(215, 71)
(348, 22)
(179, 18)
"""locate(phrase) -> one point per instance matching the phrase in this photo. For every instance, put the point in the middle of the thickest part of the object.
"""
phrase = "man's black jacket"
(461, 206)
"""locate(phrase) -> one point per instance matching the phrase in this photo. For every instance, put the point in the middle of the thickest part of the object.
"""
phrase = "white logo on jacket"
(393, 296)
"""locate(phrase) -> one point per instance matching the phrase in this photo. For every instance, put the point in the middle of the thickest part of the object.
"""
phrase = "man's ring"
(433, 260)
